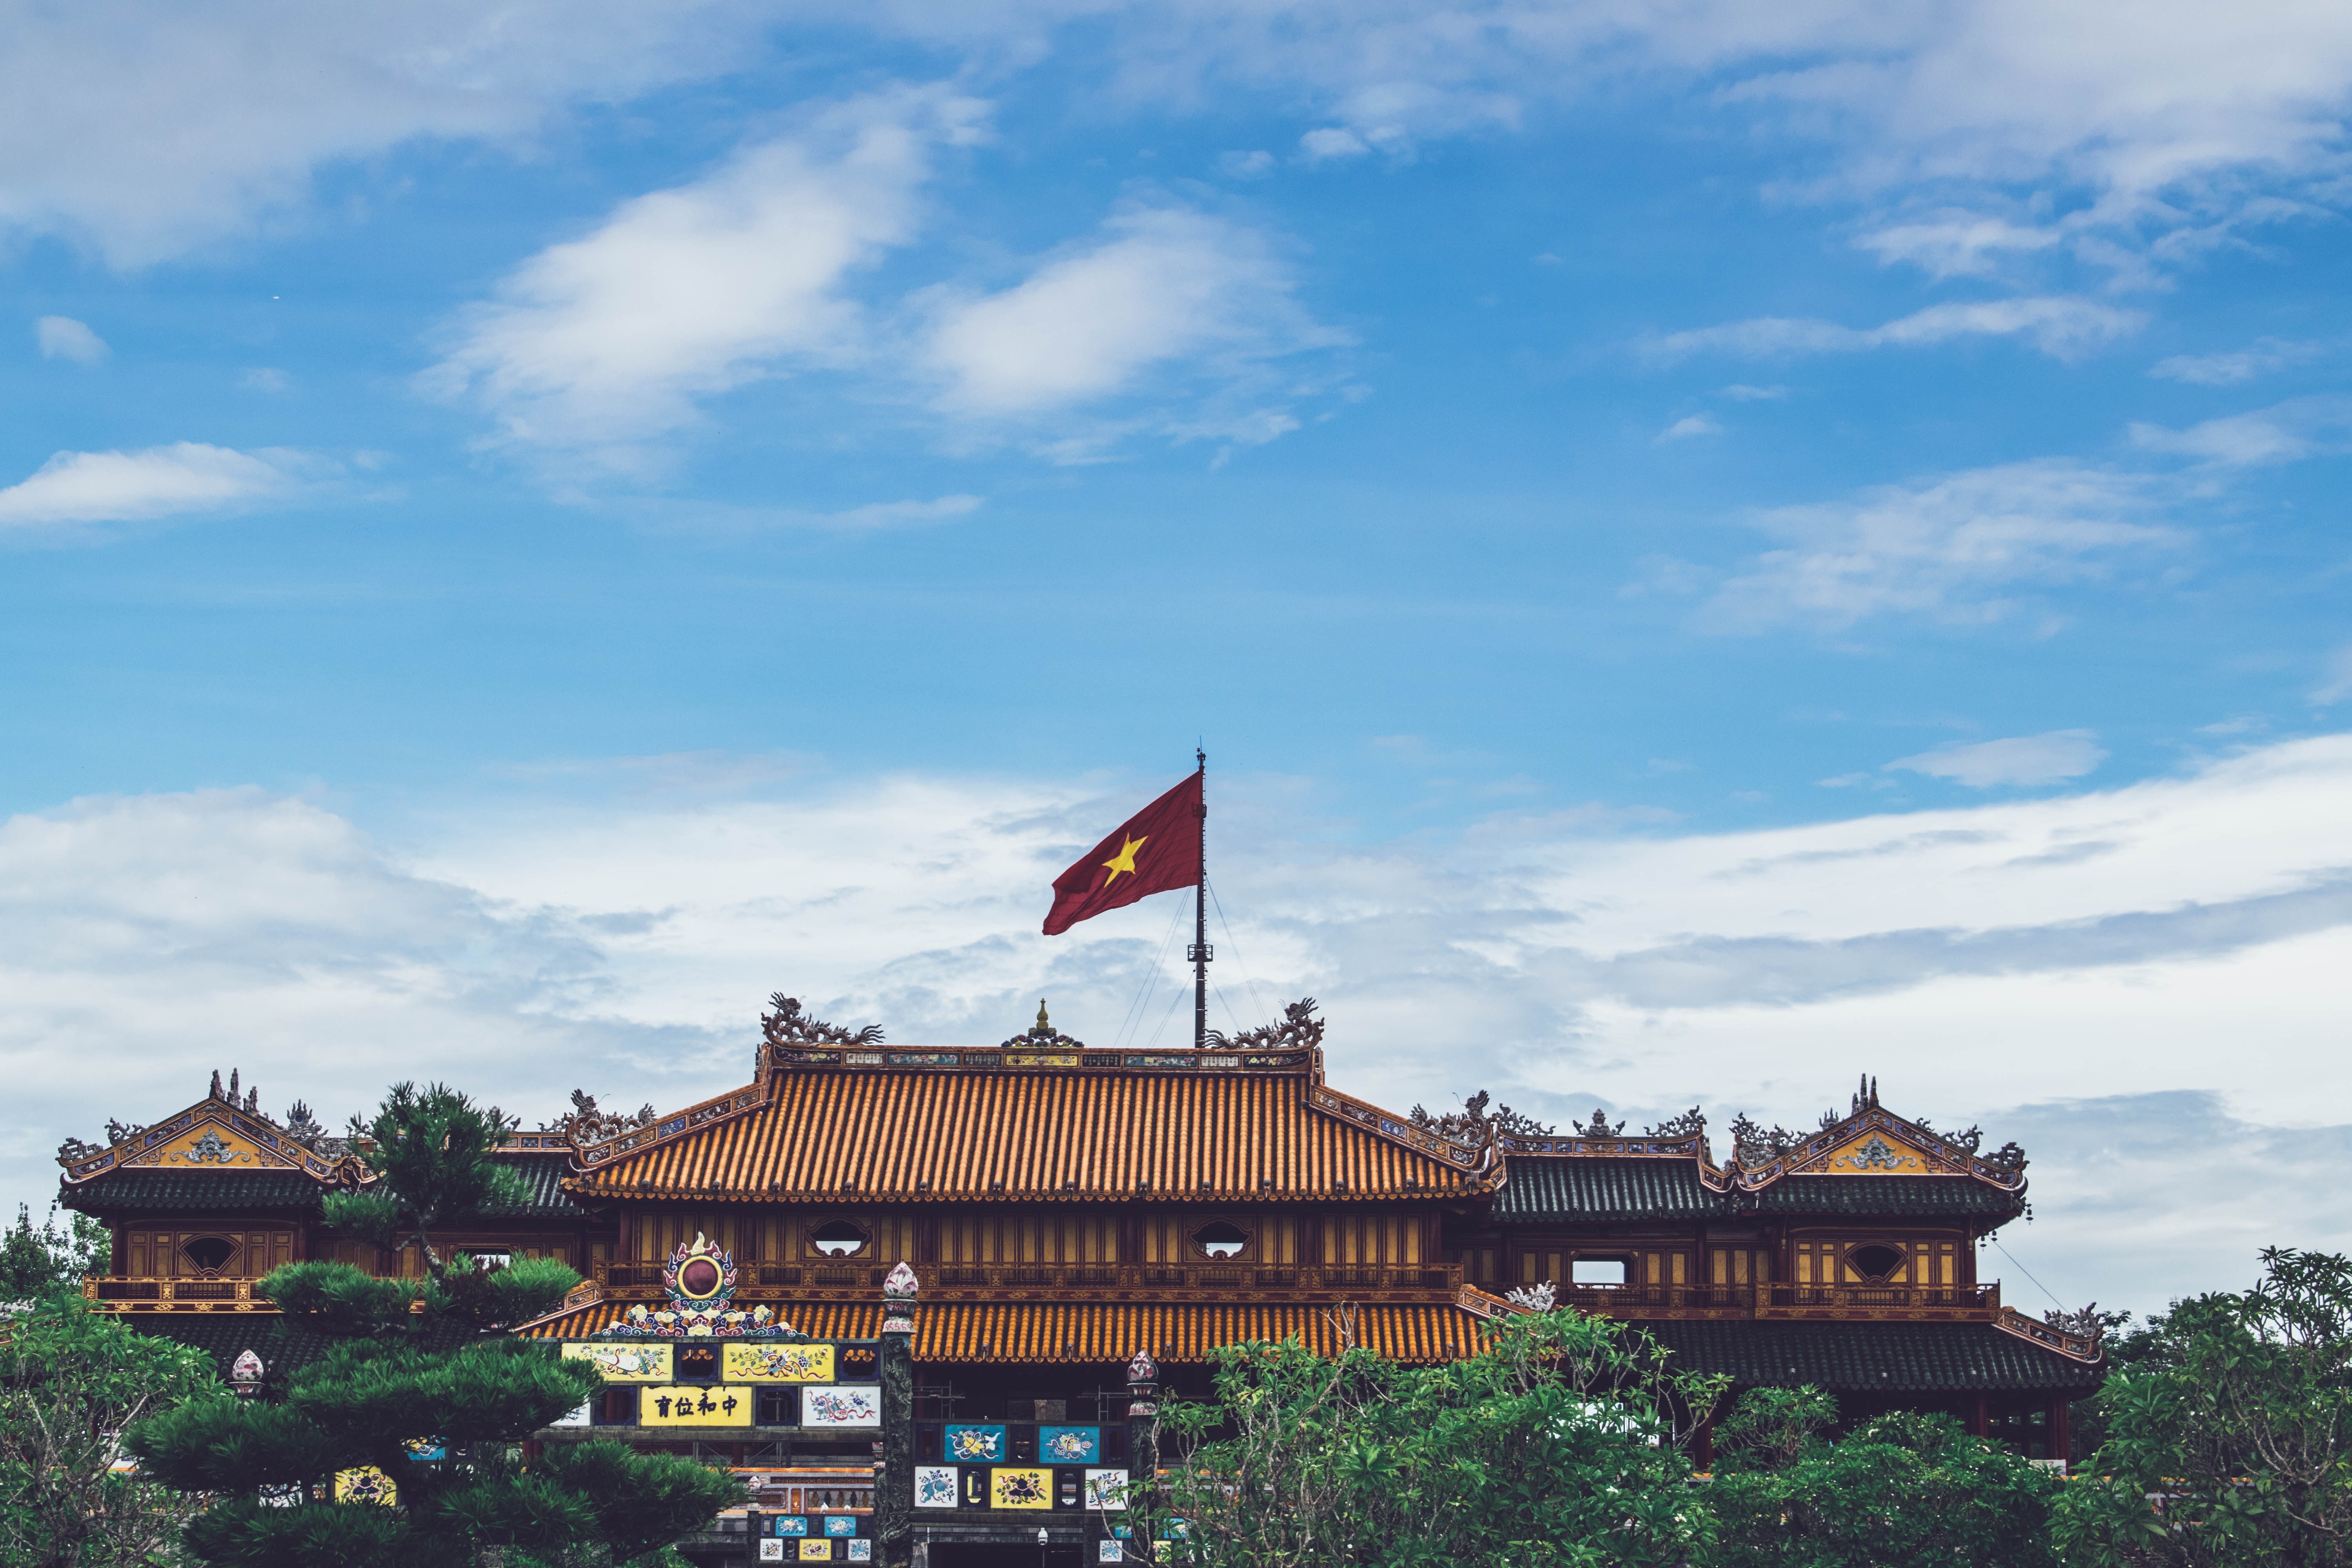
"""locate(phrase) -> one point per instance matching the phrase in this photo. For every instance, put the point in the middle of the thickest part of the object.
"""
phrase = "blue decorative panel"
(792, 1524)
(975, 1445)
(841, 1524)
(1069, 1445)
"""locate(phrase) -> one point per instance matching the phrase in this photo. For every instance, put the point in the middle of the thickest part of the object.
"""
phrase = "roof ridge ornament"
(1042, 1036)
(1299, 1026)
(788, 1025)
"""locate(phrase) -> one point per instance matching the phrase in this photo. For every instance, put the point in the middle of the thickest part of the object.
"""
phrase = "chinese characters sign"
(719, 1405)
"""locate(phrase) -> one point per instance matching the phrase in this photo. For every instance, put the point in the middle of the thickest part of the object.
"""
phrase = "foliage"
(70, 1379)
(1475, 1124)
(2234, 1415)
(1899, 1491)
(421, 1360)
(38, 1263)
(1557, 1444)
(431, 1150)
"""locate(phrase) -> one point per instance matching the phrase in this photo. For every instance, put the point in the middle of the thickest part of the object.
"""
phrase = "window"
(838, 1238)
(1220, 1238)
(209, 1253)
(1875, 1262)
(486, 1261)
(1597, 1271)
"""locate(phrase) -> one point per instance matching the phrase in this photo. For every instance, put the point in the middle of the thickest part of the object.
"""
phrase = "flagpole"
(1201, 953)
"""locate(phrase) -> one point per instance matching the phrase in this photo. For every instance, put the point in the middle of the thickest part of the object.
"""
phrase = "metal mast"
(1202, 952)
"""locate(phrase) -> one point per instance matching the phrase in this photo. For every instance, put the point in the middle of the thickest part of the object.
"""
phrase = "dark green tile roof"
(1890, 1197)
(1882, 1358)
(1581, 1189)
(224, 1335)
(151, 1190)
(154, 1190)
(547, 1200)
(1552, 1190)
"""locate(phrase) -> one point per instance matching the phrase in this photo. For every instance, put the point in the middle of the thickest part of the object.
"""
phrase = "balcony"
(1079, 1281)
(1851, 1303)
(133, 1293)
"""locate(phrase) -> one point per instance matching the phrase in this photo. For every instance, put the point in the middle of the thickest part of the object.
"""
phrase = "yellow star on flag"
(1125, 860)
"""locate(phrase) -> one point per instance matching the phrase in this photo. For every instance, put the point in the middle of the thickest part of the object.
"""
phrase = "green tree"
(38, 1263)
(1900, 1490)
(70, 1379)
(1559, 1443)
(2226, 1438)
(421, 1362)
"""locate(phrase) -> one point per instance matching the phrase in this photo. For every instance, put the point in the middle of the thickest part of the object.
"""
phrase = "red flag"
(1158, 849)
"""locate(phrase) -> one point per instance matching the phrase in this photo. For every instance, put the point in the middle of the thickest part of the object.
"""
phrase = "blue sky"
(473, 493)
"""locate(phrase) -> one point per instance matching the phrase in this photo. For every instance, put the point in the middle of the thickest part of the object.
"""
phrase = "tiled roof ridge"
(1477, 1160)
(2088, 1349)
(256, 1125)
(1811, 1157)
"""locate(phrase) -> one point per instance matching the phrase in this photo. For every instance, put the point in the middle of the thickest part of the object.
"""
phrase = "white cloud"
(1740, 392)
(626, 928)
(1246, 166)
(2284, 433)
(262, 378)
(2265, 355)
(894, 513)
(2337, 684)
(1690, 425)
(144, 132)
(2050, 758)
(2063, 326)
(129, 487)
(683, 293)
(1168, 285)
(1959, 548)
(1954, 244)
(1332, 141)
(62, 337)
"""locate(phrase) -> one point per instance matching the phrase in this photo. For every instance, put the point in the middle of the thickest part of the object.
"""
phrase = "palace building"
(1065, 1207)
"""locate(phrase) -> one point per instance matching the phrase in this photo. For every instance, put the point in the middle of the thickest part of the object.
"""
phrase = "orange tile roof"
(1037, 1136)
(1094, 1333)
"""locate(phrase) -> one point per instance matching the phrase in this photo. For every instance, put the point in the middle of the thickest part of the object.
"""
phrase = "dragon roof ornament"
(1299, 1026)
(788, 1025)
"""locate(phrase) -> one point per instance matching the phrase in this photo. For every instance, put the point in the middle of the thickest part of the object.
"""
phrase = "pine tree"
(422, 1362)
(35, 1264)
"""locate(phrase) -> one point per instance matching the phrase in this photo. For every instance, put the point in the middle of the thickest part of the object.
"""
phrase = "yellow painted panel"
(1019, 1489)
(816, 1549)
(366, 1484)
(623, 1363)
(715, 1405)
(778, 1363)
(1874, 1154)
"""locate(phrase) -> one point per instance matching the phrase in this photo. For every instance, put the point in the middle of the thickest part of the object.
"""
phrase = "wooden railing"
(760, 1279)
(1972, 1302)
(1982, 1299)
(133, 1292)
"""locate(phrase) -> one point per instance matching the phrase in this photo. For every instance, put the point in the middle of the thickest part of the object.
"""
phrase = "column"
(894, 1504)
(1143, 1454)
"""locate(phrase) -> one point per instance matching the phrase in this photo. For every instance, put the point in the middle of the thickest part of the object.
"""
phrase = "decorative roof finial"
(900, 1284)
(232, 1086)
(245, 1373)
(1142, 1369)
(216, 1090)
(1043, 1026)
